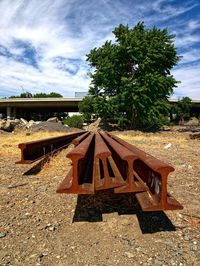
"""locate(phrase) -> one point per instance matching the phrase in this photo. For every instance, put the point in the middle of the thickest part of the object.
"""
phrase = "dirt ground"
(40, 227)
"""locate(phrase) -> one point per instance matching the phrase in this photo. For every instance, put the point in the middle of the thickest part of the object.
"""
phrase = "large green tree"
(131, 77)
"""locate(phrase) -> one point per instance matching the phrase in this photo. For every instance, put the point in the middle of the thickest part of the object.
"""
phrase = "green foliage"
(182, 108)
(74, 121)
(131, 80)
(45, 95)
(23, 95)
(38, 95)
(86, 107)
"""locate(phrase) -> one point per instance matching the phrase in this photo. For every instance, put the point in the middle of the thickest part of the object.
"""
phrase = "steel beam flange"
(106, 175)
(79, 180)
(36, 150)
(79, 139)
(153, 173)
(124, 160)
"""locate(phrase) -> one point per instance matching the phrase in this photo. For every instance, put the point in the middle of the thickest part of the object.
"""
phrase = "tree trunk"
(133, 119)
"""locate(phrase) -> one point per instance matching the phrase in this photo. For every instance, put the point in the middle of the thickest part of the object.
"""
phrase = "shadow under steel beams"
(91, 208)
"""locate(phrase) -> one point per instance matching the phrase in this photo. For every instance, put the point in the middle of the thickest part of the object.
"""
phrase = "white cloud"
(186, 39)
(190, 56)
(194, 24)
(167, 10)
(41, 25)
(190, 82)
(60, 33)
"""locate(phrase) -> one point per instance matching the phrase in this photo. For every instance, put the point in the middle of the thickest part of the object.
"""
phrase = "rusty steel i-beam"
(103, 161)
(39, 149)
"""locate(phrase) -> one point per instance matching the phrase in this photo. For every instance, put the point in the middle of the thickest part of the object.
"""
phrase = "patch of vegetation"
(74, 121)
(38, 95)
(86, 107)
(182, 109)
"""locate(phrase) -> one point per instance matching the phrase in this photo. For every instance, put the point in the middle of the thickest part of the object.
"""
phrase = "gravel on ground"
(40, 227)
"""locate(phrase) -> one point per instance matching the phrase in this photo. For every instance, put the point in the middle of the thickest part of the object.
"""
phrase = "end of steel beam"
(68, 186)
(149, 204)
(79, 180)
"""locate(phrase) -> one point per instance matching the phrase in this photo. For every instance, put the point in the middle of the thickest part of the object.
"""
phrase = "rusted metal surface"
(79, 180)
(153, 173)
(36, 150)
(106, 173)
(93, 168)
(78, 140)
(124, 159)
(103, 161)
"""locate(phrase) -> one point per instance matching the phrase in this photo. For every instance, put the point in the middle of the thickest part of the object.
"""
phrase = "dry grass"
(154, 143)
(153, 138)
(9, 142)
(156, 140)
(58, 165)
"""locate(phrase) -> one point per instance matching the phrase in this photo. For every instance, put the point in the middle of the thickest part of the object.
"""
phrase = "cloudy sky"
(43, 43)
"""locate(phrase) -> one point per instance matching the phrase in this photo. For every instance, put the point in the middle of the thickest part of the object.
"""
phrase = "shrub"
(74, 121)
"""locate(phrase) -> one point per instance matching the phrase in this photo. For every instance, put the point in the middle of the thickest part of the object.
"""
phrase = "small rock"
(160, 258)
(2, 234)
(129, 255)
(52, 227)
(165, 128)
(186, 238)
(8, 126)
(194, 248)
(168, 146)
(32, 256)
(30, 123)
(48, 225)
(158, 263)
(52, 119)
(23, 121)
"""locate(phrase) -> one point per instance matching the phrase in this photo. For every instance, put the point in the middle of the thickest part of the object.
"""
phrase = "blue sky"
(43, 43)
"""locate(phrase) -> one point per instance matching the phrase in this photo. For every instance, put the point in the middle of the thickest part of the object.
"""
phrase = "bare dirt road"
(40, 227)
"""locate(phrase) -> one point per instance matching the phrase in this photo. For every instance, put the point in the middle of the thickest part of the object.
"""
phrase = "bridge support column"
(14, 112)
(8, 111)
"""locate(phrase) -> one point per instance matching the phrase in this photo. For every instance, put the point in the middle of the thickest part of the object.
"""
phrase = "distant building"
(81, 94)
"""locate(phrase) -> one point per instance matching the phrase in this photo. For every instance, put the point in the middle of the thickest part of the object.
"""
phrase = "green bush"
(156, 123)
(74, 121)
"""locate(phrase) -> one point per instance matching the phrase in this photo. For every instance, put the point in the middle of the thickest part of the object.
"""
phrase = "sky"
(43, 43)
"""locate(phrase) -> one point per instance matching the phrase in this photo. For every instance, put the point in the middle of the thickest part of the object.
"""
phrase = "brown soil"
(40, 227)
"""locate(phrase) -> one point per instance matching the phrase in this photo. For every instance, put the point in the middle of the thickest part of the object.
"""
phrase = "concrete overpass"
(17, 107)
(195, 109)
